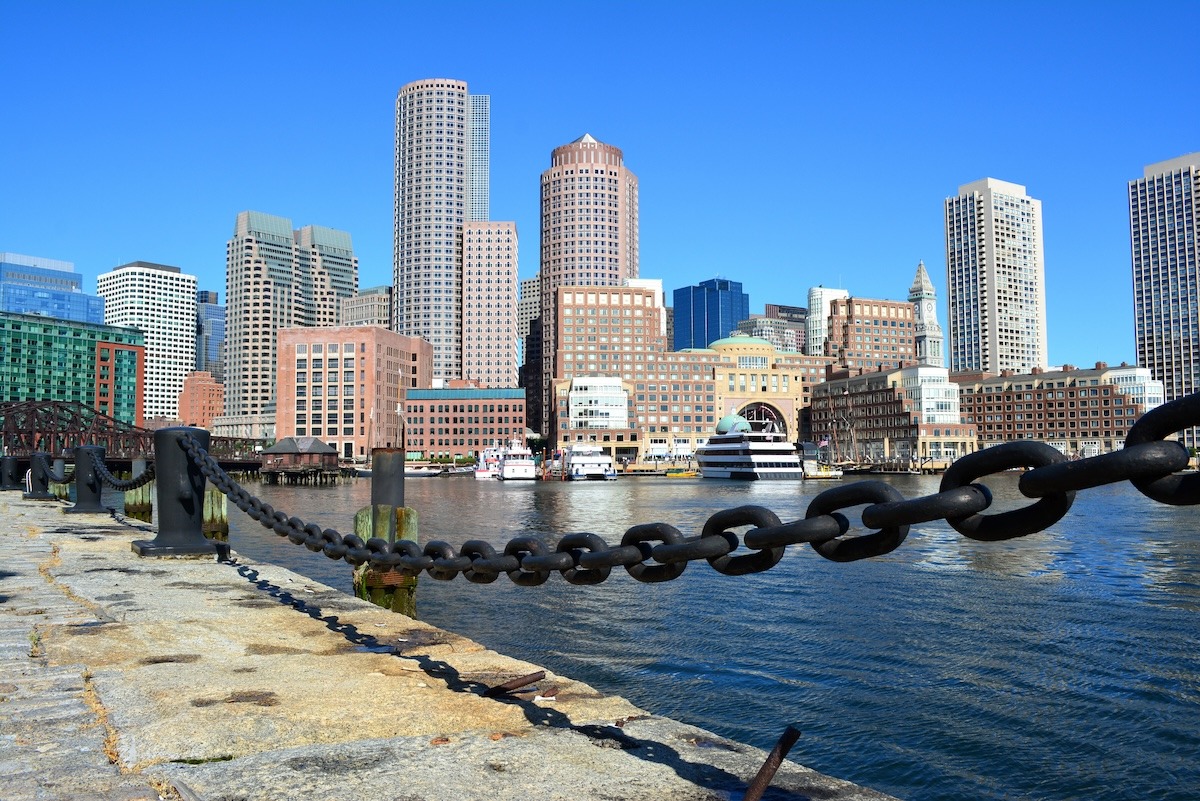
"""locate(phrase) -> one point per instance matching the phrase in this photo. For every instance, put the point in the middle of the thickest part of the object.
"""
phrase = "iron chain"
(654, 552)
(122, 485)
(55, 478)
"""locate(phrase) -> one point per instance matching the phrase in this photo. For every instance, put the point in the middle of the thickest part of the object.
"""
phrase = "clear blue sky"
(780, 144)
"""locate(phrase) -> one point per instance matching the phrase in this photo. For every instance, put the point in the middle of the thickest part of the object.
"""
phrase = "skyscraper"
(442, 143)
(160, 301)
(928, 333)
(210, 335)
(709, 311)
(1165, 248)
(489, 312)
(275, 278)
(589, 237)
(995, 277)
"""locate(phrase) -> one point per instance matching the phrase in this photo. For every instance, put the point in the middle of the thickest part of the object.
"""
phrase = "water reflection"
(1059, 665)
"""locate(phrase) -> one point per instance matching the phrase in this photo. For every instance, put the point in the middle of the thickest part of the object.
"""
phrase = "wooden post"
(390, 589)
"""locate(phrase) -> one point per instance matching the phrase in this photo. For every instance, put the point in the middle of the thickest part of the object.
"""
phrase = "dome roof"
(741, 341)
(732, 423)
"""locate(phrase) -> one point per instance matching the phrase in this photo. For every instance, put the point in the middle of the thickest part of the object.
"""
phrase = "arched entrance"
(764, 416)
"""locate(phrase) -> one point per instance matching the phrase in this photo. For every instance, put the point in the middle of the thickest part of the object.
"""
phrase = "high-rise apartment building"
(160, 301)
(709, 311)
(1164, 208)
(442, 142)
(210, 335)
(277, 277)
(995, 279)
(589, 238)
(928, 333)
(102, 367)
(819, 298)
(489, 311)
(369, 307)
(48, 287)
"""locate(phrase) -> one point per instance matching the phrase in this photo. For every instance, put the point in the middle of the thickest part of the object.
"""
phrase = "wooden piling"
(215, 524)
(387, 589)
(139, 503)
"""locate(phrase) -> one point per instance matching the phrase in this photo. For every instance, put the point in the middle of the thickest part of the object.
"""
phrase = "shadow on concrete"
(701, 774)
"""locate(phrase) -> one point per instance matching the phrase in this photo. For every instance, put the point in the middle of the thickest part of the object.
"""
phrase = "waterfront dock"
(125, 678)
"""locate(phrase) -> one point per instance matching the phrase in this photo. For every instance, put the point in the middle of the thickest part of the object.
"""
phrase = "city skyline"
(755, 168)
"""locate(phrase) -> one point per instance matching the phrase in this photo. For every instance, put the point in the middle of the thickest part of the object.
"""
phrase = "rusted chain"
(654, 552)
(122, 485)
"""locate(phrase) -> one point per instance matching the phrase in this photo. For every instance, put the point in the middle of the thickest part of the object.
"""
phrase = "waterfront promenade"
(125, 678)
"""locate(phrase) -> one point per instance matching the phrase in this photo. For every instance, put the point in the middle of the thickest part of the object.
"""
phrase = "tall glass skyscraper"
(709, 311)
(210, 334)
(442, 144)
(46, 287)
(1165, 249)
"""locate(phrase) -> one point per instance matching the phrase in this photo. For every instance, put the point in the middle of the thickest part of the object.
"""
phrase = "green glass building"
(46, 358)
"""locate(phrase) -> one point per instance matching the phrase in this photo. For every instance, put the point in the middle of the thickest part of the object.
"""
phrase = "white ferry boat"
(583, 462)
(740, 451)
(488, 466)
(516, 463)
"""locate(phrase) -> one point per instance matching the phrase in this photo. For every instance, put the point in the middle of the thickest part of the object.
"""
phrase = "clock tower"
(928, 333)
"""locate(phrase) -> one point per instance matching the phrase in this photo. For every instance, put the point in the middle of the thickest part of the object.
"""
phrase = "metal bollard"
(39, 479)
(9, 477)
(179, 497)
(87, 482)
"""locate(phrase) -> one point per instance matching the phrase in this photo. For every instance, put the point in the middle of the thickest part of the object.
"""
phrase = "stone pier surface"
(132, 679)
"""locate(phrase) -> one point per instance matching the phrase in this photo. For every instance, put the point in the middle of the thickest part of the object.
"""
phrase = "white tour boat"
(739, 450)
(488, 465)
(516, 463)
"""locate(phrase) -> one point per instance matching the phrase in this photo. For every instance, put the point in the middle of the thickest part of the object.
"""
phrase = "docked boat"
(516, 463)
(816, 471)
(681, 472)
(488, 465)
(422, 470)
(744, 451)
(583, 462)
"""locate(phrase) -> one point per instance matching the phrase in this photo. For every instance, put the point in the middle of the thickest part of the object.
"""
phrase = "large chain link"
(122, 485)
(653, 552)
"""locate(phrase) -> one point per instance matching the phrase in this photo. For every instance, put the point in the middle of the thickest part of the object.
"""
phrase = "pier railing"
(657, 551)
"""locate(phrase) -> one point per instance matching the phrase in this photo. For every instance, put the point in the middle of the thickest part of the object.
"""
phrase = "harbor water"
(1062, 665)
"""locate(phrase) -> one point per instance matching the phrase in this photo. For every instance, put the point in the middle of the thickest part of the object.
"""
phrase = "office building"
(1079, 412)
(589, 238)
(927, 332)
(707, 312)
(210, 335)
(1164, 209)
(102, 367)
(489, 312)
(369, 307)
(784, 335)
(871, 333)
(907, 418)
(461, 420)
(344, 385)
(529, 305)
(202, 399)
(817, 321)
(995, 278)
(47, 287)
(159, 301)
(276, 277)
(441, 183)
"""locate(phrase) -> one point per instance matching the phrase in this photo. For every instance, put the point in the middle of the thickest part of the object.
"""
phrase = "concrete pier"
(134, 679)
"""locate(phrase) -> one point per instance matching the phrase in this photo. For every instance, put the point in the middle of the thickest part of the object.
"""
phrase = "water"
(1058, 666)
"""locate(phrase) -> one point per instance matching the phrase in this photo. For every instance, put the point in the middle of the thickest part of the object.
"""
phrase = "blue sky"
(780, 144)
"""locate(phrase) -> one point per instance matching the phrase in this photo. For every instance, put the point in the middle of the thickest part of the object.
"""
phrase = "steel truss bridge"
(58, 427)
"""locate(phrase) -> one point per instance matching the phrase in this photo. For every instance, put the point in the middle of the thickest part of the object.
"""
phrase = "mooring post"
(87, 482)
(9, 479)
(389, 519)
(39, 478)
(180, 497)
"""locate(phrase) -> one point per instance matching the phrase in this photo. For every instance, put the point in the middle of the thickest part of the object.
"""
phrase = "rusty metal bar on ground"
(514, 684)
(767, 772)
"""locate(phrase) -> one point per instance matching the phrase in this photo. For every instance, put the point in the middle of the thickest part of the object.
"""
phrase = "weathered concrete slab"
(248, 681)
